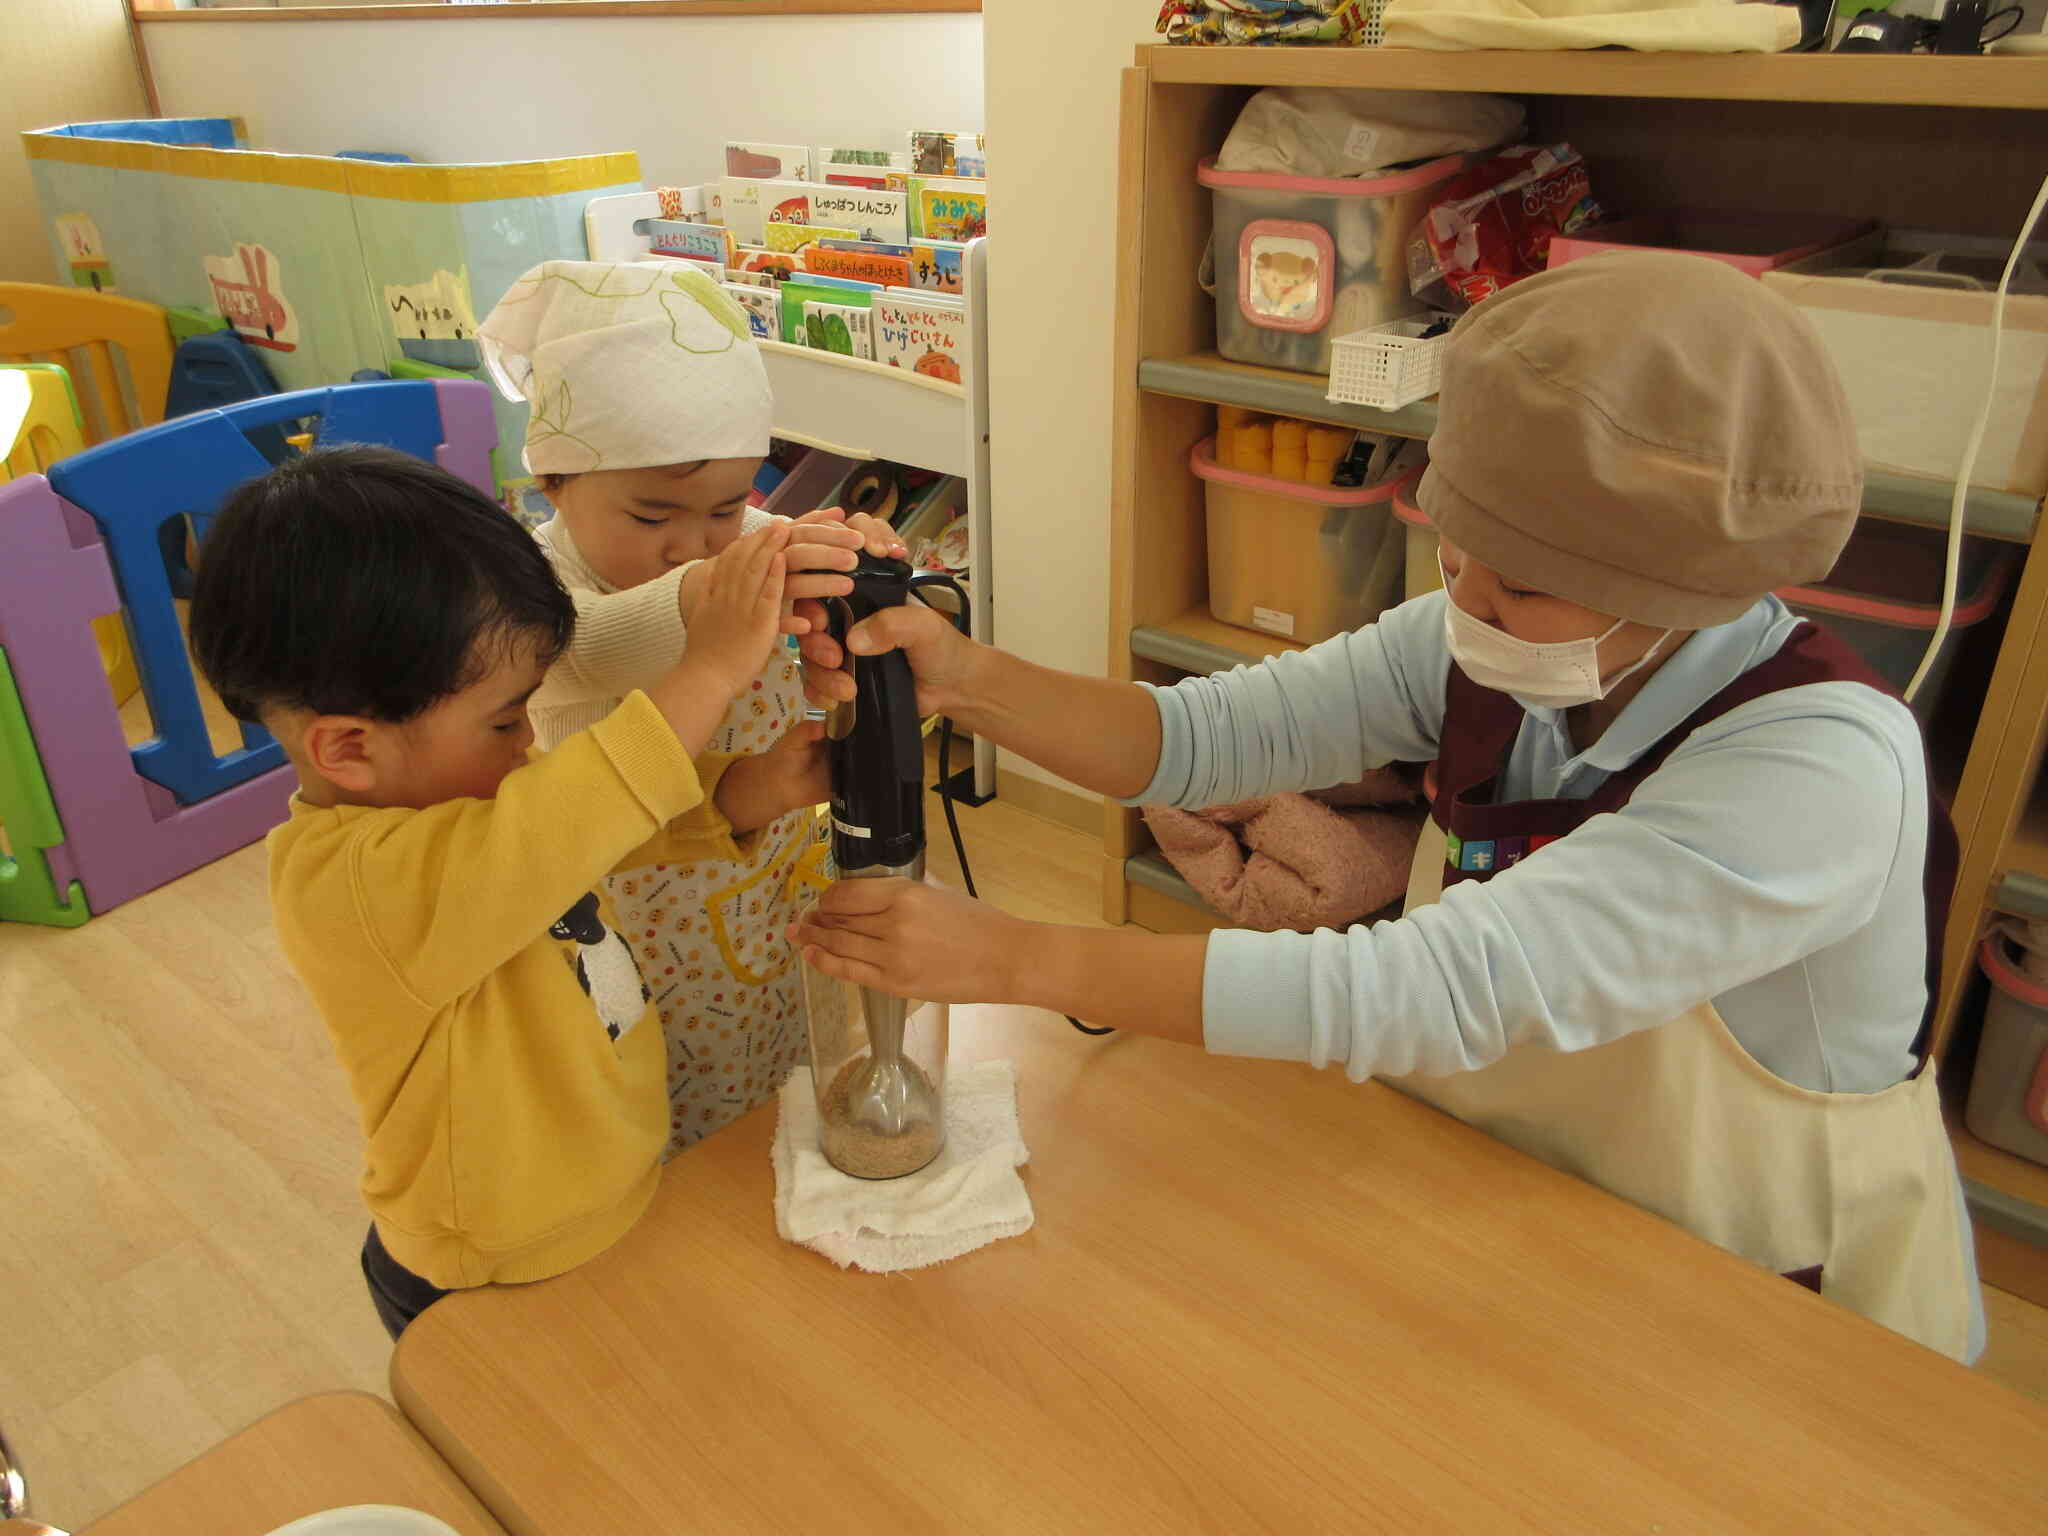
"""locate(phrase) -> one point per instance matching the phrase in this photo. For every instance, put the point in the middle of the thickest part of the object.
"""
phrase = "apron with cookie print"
(1853, 1195)
(709, 940)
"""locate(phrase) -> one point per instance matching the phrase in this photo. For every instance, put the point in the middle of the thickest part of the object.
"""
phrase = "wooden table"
(324, 1452)
(1257, 1298)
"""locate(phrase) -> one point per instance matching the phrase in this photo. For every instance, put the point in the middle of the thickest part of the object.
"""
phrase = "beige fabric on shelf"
(1648, 26)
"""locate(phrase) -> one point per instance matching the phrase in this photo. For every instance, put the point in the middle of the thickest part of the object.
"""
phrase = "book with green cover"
(796, 293)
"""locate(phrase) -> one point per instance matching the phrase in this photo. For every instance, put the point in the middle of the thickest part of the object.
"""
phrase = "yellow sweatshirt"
(506, 1064)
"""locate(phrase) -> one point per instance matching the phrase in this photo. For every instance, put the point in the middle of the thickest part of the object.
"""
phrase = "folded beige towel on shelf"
(1648, 26)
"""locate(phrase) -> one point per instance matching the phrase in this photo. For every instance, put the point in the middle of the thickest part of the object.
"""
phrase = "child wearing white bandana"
(650, 416)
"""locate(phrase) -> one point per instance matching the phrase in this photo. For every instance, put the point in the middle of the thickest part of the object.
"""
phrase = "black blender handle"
(906, 731)
(883, 677)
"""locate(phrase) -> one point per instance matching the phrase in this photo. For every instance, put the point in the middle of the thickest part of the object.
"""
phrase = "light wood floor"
(178, 1173)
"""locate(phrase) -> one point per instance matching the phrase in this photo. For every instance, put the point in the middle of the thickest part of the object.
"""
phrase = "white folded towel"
(967, 1196)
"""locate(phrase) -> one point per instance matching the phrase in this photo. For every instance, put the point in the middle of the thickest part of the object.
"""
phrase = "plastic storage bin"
(1304, 562)
(810, 485)
(1422, 573)
(2008, 1105)
(1755, 243)
(1884, 598)
(1300, 260)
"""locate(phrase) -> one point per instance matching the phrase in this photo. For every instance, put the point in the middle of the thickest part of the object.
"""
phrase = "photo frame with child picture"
(1285, 271)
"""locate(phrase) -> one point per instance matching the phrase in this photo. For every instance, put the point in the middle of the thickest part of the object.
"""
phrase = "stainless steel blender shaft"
(887, 1098)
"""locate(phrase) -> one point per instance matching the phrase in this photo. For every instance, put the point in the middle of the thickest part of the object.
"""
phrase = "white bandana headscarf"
(627, 364)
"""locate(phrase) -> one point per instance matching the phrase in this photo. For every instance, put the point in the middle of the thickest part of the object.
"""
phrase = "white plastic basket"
(1388, 365)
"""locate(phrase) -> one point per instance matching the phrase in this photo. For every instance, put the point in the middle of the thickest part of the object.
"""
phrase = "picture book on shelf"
(921, 337)
(796, 293)
(871, 177)
(791, 238)
(841, 328)
(869, 247)
(715, 270)
(863, 214)
(948, 154)
(750, 279)
(868, 267)
(937, 265)
(678, 237)
(845, 284)
(735, 202)
(773, 265)
(687, 204)
(932, 300)
(763, 307)
(948, 207)
(767, 162)
(848, 157)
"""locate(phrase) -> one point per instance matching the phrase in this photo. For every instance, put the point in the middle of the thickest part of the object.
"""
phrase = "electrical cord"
(2011, 15)
(1976, 442)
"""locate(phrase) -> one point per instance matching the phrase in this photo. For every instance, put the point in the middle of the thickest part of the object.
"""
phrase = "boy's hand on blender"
(809, 614)
(822, 546)
(820, 554)
(737, 621)
(877, 535)
(879, 538)
(787, 777)
(941, 658)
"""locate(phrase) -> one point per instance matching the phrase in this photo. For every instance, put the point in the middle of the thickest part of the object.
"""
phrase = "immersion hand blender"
(875, 750)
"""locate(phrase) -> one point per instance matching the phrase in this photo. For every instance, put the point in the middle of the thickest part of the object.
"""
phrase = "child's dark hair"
(363, 581)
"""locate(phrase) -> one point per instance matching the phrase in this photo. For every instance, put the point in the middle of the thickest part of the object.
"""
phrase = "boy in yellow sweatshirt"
(435, 889)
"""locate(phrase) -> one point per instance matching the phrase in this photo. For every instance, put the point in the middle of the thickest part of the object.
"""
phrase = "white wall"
(673, 88)
(61, 61)
(1054, 69)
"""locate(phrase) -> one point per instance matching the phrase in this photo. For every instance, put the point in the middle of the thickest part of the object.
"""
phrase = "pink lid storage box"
(1755, 243)
(1301, 259)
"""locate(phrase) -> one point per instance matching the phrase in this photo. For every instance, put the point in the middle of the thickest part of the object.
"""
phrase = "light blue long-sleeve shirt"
(1772, 864)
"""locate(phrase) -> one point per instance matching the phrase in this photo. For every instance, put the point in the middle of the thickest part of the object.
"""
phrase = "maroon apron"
(1484, 835)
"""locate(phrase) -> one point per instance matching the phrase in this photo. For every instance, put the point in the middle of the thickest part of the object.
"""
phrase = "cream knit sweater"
(622, 639)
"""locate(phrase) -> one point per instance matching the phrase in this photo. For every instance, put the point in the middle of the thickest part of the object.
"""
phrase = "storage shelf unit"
(1845, 79)
(1196, 642)
(1956, 144)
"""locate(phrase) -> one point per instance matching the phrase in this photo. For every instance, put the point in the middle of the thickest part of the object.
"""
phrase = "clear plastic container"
(1422, 574)
(1749, 242)
(1304, 562)
(876, 1125)
(1300, 260)
(1884, 598)
(2008, 1104)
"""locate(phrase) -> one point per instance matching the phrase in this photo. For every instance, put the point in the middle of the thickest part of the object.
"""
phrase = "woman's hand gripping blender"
(919, 940)
(875, 748)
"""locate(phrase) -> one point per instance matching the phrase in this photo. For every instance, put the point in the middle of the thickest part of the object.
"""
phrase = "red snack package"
(1494, 224)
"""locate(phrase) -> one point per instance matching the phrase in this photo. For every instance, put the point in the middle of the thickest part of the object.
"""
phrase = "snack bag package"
(1494, 224)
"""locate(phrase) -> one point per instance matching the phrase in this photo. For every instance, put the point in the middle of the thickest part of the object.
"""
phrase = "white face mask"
(1560, 675)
